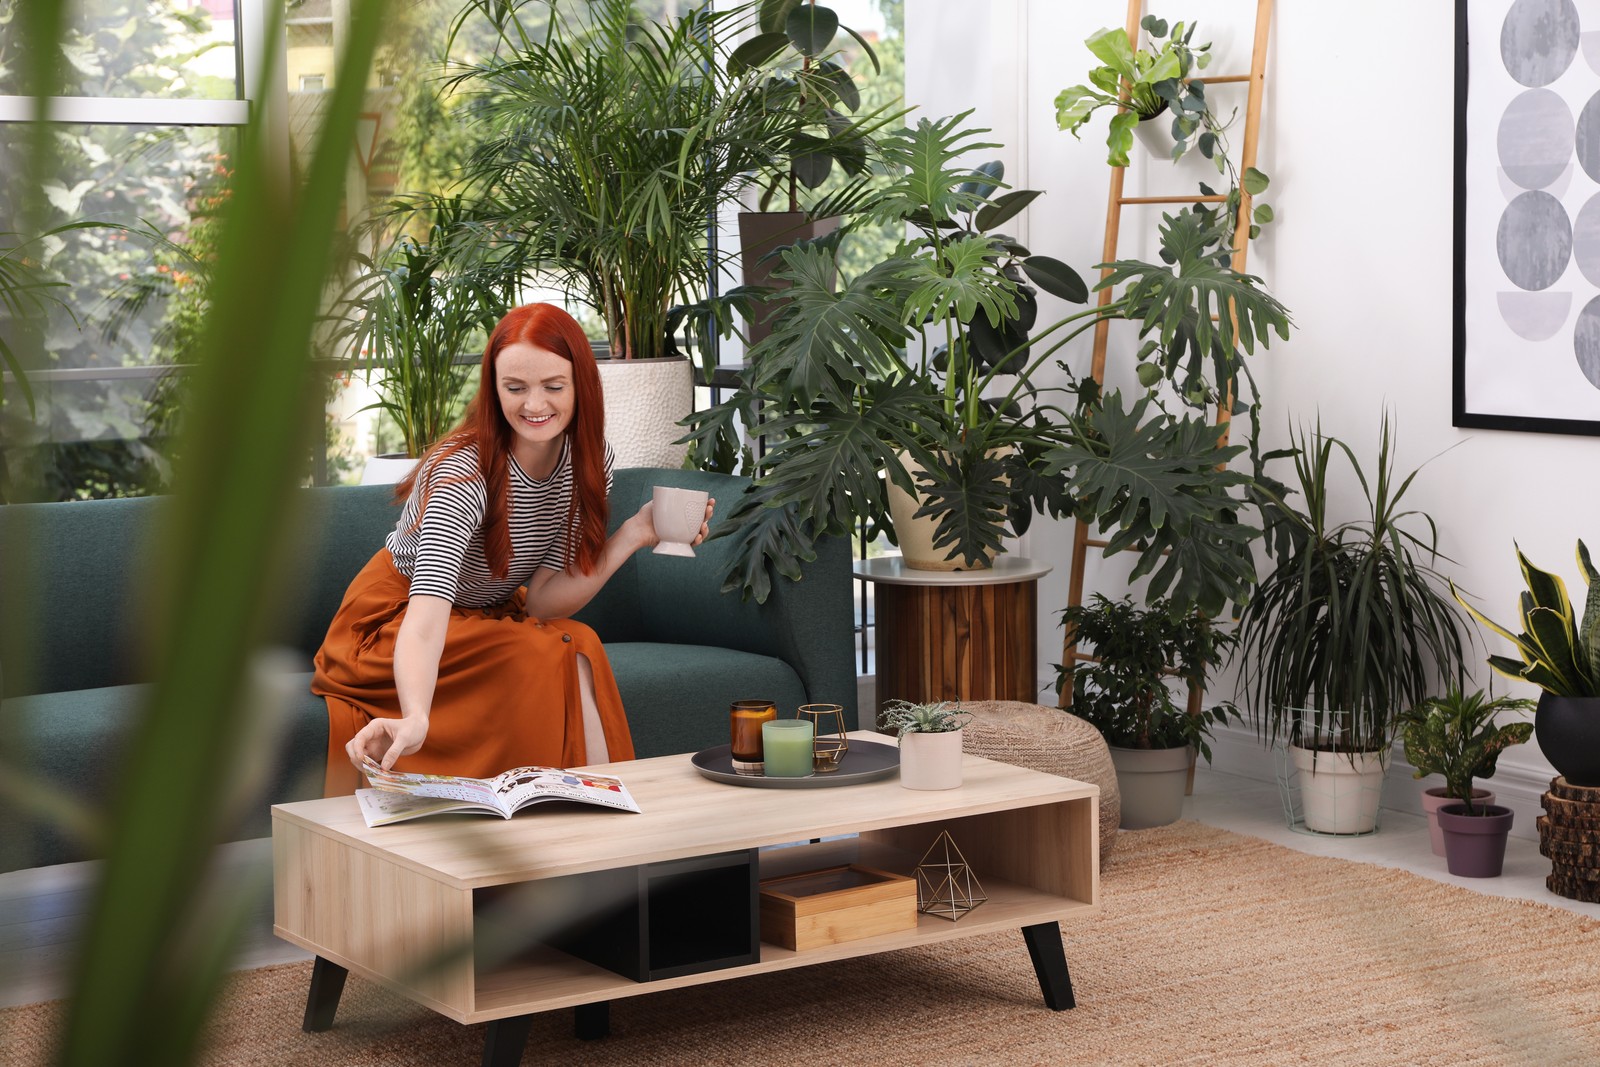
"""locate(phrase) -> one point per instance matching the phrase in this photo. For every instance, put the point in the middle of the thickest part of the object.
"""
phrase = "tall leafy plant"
(1352, 625)
(219, 565)
(606, 146)
(409, 315)
(933, 352)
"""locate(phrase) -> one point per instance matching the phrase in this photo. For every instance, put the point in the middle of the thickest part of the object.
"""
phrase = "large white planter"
(1339, 793)
(386, 470)
(930, 761)
(1151, 784)
(645, 398)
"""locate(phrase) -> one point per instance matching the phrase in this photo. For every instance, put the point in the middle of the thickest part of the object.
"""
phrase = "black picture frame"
(1467, 410)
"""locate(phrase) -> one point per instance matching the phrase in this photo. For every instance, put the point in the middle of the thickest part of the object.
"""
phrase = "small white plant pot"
(387, 470)
(931, 761)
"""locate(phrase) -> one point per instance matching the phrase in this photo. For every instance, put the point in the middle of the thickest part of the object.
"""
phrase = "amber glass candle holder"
(828, 740)
(744, 733)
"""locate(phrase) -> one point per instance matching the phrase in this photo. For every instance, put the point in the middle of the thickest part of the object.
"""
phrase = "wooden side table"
(956, 635)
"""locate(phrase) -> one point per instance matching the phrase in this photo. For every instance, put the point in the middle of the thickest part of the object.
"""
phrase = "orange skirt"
(507, 694)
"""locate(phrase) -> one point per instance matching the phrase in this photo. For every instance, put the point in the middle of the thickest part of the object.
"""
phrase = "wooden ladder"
(1081, 539)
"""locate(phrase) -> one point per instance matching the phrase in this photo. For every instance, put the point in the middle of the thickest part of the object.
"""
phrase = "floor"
(39, 909)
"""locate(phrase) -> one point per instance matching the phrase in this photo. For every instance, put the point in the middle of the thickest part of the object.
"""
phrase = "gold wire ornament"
(946, 886)
(828, 740)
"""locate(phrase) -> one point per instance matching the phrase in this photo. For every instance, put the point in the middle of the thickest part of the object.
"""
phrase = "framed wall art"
(1527, 216)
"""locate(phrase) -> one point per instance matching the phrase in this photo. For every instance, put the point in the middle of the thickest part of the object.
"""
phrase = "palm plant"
(408, 316)
(1352, 625)
(932, 352)
(607, 146)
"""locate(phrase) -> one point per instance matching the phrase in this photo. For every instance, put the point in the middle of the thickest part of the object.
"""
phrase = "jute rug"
(1213, 948)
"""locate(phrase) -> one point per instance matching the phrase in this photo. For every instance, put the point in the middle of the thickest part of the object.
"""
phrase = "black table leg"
(591, 1022)
(1050, 964)
(327, 982)
(505, 1040)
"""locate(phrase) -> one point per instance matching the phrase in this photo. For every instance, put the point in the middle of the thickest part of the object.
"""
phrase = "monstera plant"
(933, 352)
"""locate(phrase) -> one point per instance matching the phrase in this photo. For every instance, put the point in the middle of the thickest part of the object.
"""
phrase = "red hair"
(548, 327)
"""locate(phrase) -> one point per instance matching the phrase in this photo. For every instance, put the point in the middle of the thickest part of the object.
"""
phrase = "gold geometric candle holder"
(828, 740)
(946, 886)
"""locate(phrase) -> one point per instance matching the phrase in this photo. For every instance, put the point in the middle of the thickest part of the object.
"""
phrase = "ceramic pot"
(1339, 791)
(1436, 798)
(387, 469)
(1151, 784)
(1568, 730)
(1474, 845)
(645, 399)
(930, 761)
(762, 233)
(916, 534)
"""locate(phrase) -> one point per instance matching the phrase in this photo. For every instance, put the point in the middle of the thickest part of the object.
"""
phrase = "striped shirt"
(443, 555)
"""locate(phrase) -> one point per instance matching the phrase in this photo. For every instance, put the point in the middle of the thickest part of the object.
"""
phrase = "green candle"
(786, 748)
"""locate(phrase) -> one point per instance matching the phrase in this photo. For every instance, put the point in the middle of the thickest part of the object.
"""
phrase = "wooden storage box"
(816, 908)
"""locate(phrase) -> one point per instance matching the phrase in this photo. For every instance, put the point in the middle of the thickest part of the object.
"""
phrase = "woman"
(438, 660)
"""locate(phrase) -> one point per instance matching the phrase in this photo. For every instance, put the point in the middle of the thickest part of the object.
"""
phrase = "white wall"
(1357, 138)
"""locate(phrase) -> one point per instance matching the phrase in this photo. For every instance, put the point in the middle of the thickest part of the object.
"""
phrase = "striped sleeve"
(451, 518)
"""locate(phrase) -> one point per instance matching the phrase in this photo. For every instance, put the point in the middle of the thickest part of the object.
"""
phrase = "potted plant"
(1349, 628)
(805, 77)
(1561, 655)
(1457, 736)
(930, 742)
(407, 317)
(605, 147)
(1123, 692)
(931, 354)
(1145, 84)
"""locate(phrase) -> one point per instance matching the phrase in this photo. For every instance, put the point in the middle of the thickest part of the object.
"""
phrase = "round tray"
(865, 761)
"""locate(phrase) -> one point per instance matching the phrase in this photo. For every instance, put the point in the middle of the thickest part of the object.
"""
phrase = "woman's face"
(536, 396)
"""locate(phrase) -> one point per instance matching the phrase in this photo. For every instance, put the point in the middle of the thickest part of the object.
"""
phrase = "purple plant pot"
(1475, 845)
(1435, 798)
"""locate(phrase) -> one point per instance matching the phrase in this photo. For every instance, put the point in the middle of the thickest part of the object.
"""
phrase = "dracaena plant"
(933, 352)
(1352, 625)
(1456, 736)
(1556, 651)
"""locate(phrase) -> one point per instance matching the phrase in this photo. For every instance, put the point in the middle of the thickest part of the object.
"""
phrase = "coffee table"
(410, 905)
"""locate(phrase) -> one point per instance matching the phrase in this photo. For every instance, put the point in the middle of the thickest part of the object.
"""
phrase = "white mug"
(678, 515)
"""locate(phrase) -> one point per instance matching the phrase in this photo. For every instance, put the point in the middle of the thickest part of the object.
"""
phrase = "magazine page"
(381, 806)
(437, 786)
(528, 785)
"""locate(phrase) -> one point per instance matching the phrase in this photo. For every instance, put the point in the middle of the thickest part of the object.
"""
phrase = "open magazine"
(398, 795)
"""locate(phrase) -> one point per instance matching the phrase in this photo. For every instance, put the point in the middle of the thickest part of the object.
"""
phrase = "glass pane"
(166, 49)
(126, 293)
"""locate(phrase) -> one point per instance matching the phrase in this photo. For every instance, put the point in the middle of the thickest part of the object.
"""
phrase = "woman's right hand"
(386, 740)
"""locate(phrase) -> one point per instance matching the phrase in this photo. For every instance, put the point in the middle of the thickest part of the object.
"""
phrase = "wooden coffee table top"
(684, 815)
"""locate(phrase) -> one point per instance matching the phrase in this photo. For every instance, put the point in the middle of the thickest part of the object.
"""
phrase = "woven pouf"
(1049, 740)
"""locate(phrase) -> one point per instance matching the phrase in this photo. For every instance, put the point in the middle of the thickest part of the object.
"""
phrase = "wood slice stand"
(1569, 833)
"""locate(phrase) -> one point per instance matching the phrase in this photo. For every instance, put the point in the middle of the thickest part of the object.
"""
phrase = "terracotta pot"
(931, 761)
(1436, 798)
(1151, 784)
(1568, 730)
(1475, 845)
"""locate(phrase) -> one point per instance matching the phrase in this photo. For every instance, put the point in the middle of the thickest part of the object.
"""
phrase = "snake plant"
(1556, 651)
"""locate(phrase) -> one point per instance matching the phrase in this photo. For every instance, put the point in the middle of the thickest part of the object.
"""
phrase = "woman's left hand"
(644, 524)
